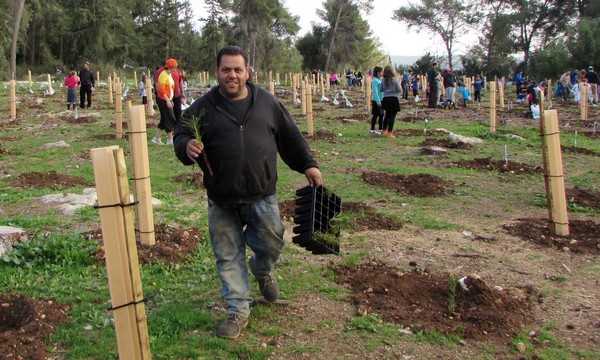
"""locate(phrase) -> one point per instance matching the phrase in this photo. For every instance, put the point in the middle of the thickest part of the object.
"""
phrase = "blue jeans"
(232, 227)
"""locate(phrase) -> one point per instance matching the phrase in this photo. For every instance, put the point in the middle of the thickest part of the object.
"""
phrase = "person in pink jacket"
(71, 82)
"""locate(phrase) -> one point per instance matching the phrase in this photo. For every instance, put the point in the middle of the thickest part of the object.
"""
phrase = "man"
(165, 93)
(593, 80)
(432, 81)
(87, 83)
(449, 81)
(243, 127)
(519, 80)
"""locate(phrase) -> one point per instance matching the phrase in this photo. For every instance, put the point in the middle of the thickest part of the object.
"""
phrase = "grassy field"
(184, 302)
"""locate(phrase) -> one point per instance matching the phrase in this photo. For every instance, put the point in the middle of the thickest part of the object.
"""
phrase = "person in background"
(178, 91)
(405, 84)
(477, 88)
(449, 82)
(87, 83)
(415, 87)
(165, 92)
(593, 79)
(390, 86)
(376, 97)
(466, 94)
(519, 80)
(333, 79)
(143, 93)
(184, 85)
(242, 203)
(432, 82)
(71, 82)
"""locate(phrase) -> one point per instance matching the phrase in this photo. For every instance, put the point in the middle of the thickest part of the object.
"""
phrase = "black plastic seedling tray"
(316, 207)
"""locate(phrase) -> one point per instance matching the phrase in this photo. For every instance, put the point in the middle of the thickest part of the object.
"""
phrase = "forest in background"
(542, 37)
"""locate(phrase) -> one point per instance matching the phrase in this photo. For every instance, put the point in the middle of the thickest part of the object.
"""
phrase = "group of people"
(86, 82)
(442, 88)
(570, 82)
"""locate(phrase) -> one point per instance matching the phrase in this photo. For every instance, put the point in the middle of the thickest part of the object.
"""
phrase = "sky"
(395, 37)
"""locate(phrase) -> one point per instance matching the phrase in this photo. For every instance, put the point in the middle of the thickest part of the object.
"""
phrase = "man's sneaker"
(231, 327)
(268, 287)
(372, 131)
(157, 140)
(169, 141)
(378, 132)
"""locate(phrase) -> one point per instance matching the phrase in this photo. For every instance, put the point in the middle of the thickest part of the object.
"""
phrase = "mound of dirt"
(447, 143)
(416, 184)
(427, 302)
(502, 166)
(79, 120)
(25, 322)
(51, 180)
(578, 150)
(194, 179)
(582, 197)
(321, 134)
(173, 245)
(4, 151)
(584, 236)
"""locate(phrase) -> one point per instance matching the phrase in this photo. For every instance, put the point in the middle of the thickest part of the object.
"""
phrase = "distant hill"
(404, 59)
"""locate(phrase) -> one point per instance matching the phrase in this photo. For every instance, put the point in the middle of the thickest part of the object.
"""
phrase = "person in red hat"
(165, 94)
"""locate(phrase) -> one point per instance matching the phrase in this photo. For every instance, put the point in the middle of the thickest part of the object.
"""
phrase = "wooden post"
(485, 83)
(293, 78)
(98, 77)
(13, 100)
(501, 92)
(118, 111)
(150, 94)
(110, 91)
(29, 77)
(368, 93)
(270, 76)
(309, 110)
(50, 90)
(277, 78)
(545, 157)
(272, 87)
(559, 201)
(583, 100)
(493, 106)
(141, 175)
(121, 254)
(328, 82)
(303, 96)
(135, 82)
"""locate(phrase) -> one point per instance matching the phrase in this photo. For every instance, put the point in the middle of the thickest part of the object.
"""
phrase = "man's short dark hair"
(232, 50)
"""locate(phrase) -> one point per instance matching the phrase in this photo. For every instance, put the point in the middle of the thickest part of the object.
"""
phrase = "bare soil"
(502, 166)
(51, 180)
(416, 184)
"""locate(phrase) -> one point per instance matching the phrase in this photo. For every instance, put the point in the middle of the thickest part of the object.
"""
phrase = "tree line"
(541, 37)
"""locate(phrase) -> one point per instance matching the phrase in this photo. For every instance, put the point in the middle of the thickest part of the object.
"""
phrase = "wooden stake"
(303, 96)
(545, 157)
(293, 90)
(309, 110)
(119, 264)
(583, 100)
(29, 77)
(141, 175)
(118, 111)
(493, 106)
(98, 77)
(110, 91)
(272, 87)
(13, 100)
(135, 82)
(501, 92)
(150, 95)
(559, 201)
(50, 90)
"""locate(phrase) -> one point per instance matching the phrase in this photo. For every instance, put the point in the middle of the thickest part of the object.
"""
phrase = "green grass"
(181, 300)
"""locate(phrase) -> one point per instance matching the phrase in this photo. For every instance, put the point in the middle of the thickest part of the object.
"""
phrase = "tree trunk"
(332, 42)
(19, 5)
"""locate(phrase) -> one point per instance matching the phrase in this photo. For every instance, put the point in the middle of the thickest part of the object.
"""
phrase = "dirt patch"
(428, 302)
(113, 125)
(502, 166)
(25, 323)
(321, 134)
(51, 180)
(578, 150)
(416, 184)
(584, 235)
(447, 143)
(79, 120)
(10, 139)
(591, 134)
(581, 197)
(173, 245)
(195, 179)
(4, 151)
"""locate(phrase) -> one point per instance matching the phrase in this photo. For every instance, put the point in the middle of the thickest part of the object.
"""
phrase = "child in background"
(465, 92)
(71, 82)
(415, 88)
(143, 93)
(477, 88)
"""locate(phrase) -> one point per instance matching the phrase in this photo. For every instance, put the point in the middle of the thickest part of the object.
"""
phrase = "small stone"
(369, 290)
(573, 242)
(43, 316)
(532, 334)
(405, 332)
(5, 305)
(570, 326)
(566, 249)
(484, 332)
(521, 347)
(412, 263)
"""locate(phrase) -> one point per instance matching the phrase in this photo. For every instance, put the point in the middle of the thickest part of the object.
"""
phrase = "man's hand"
(194, 149)
(313, 175)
